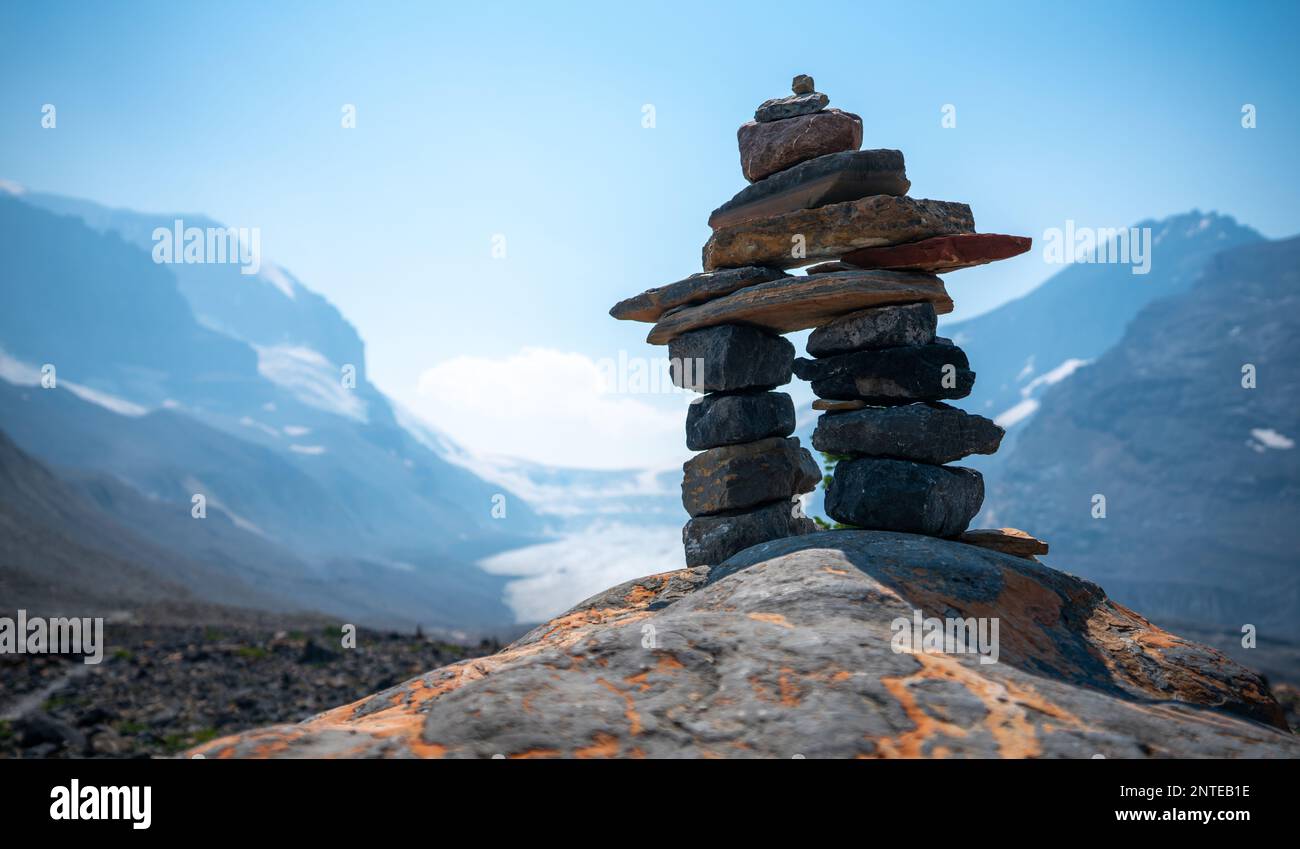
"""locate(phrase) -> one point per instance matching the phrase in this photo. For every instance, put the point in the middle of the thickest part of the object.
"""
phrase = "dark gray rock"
(891, 376)
(709, 540)
(727, 419)
(833, 178)
(729, 357)
(926, 433)
(788, 649)
(899, 495)
(791, 106)
(735, 477)
(871, 329)
(696, 289)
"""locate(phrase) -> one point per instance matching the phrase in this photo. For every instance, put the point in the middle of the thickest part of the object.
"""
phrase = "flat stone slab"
(877, 327)
(737, 477)
(730, 357)
(709, 540)
(833, 178)
(791, 106)
(697, 288)
(800, 303)
(941, 254)
(925, 433)
(829, 406)
(772, 146)
(731, 419)
(829, 232)
(937, 372)
(898, 495)
(1011, 541)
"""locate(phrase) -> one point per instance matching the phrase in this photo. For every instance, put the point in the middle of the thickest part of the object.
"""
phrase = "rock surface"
(769, 147)
(798, 303)
(729, 357)
(833, 178)
(736, 477)
(785, 650)
(898, 495)
(730, 419)
(926, 433)
(697, 288)
(829, 232)
(941, 254)
(709, 540)
(1011, 541)
(791, 106)
(878, 327)
(936, 372)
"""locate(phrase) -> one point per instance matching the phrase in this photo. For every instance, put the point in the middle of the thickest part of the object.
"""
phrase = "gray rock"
(899, 495)
(791, 106)
(788, 649)
(696, 289)
(727, 419)
(712, 539)
(926, 433)
(872, 329)
(729, 357)
(803, 84)
(736, 477)
(933, 372)
(833, 178)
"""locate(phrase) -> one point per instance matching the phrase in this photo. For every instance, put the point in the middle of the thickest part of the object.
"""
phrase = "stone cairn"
(880, 373)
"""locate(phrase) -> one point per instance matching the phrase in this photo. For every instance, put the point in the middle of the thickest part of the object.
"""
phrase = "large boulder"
(789, 648)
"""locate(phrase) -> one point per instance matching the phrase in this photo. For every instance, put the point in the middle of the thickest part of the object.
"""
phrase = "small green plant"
(251, 652)
(123, 654)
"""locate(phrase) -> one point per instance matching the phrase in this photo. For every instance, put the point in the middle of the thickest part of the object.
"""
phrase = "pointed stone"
(891, 376)
(830, 232)
(833, 178)
(709, 540)
(772, 146)
(941, 254)
(925, 433)
(737, 477)
(878, 327)
(1011, 541)
(696, 289)
(898, 495)
(800, 303)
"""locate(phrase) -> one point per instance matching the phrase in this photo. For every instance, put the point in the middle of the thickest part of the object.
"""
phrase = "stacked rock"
(813, 195)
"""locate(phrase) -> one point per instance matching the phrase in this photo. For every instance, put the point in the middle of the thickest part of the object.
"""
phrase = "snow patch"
(1266, 437)
(1016, 414)
(311, 378)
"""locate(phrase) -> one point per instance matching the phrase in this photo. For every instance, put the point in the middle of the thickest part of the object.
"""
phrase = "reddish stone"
(940, 254)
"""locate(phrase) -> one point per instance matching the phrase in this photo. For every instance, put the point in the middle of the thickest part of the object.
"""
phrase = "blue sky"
(515, 119)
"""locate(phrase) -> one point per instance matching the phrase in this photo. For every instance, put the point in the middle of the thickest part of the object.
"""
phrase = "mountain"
(1201, 476)
(184, 379)
(789, 649)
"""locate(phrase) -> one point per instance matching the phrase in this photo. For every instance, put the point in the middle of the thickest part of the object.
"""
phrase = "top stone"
(791, 106)
(803, 84)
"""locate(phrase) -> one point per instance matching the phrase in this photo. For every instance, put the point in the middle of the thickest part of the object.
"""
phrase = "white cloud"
(551, 407)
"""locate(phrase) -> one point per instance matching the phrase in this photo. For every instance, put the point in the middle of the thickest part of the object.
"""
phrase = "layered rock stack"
(878, 369)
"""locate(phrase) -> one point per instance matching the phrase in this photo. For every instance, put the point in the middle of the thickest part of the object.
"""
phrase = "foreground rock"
(899, 495)
(697, 288)
(833, 178)
(729, 357)
(881, 327)
(736, 477)
(828, 232)
(772, 146)
(785, 650)
(798, 303)
(935, 372)
(732, 419)
(709, 540)
(942, 253)
(926, 433)
(1006, 540)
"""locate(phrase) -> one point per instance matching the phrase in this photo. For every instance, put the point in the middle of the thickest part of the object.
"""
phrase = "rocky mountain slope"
(1201, 475)
(786, 650)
